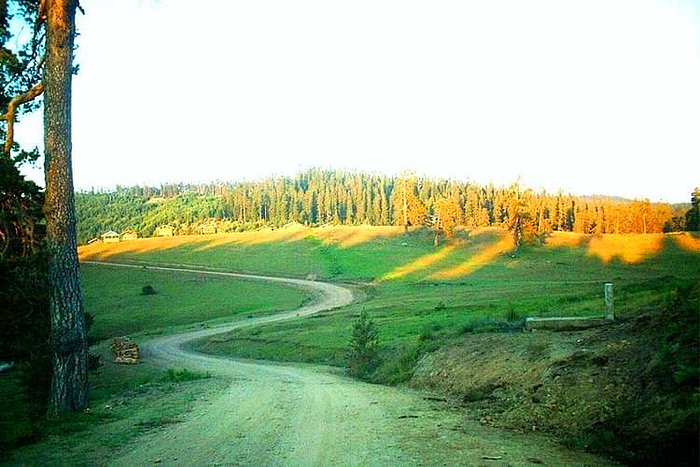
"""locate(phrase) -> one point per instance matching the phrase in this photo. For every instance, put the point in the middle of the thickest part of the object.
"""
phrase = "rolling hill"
(450, 319)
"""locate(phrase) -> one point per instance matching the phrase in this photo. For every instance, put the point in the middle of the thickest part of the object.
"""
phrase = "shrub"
(397, 365)
(484, 324)
(148, 290)
(363, 356)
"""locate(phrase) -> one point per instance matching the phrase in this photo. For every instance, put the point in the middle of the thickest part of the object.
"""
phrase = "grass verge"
(126, 399)
(113, 295)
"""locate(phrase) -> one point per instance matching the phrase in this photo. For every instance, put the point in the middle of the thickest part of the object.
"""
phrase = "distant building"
(129, 234)
(110, 237)
(207, 229)
(165, 231)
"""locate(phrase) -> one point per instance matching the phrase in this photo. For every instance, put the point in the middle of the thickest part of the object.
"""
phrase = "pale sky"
(592, 97)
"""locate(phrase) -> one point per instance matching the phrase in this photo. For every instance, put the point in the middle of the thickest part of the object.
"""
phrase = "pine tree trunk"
(405, 207)
(69, 384)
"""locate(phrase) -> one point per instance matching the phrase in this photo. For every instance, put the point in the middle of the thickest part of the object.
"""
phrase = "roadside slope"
(291, 415)
(628, 389)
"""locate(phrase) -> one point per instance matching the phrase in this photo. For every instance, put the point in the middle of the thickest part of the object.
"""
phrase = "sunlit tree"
(517, 218)
(447, 214)
(69, 385)
(408, 208)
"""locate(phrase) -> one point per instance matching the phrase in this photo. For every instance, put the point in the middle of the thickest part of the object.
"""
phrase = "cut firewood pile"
(125, 350)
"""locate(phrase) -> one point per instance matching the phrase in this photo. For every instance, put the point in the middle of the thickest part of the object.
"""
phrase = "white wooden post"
(609, 302)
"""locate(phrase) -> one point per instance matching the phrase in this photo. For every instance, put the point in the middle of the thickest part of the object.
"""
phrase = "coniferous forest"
(318, 197)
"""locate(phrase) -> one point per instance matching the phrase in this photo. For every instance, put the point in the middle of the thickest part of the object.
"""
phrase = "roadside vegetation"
(126, 402)
(115, 298)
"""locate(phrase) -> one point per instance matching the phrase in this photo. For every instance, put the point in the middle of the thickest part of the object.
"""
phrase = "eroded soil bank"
(629, 390)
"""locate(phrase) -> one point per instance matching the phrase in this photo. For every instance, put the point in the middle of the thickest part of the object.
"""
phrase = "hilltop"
(321, 197)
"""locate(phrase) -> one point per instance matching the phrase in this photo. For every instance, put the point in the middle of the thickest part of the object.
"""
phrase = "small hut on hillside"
(165, 231)
(129, 234)
(110, 237)
(207, 229)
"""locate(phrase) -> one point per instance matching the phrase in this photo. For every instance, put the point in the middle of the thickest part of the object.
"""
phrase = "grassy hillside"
(464, 301)
(629, 390)
(422, 298)
(386, 254)
(473, 283)
(114, 297)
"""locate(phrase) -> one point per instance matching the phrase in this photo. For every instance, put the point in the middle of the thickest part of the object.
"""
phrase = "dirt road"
(274, 414)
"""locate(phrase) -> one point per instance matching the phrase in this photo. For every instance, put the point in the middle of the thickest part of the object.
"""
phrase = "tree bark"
(68, 341)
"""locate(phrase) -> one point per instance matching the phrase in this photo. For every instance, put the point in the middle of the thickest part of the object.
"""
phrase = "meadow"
(114, 296)
(421, 297)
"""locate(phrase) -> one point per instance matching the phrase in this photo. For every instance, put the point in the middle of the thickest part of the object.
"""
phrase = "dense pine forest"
(318, 197)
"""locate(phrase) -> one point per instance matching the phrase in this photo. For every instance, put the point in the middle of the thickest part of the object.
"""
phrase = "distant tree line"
(317, 197)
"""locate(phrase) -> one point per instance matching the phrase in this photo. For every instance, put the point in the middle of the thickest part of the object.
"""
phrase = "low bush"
(363, 356)
(148, 290)
(397, 365)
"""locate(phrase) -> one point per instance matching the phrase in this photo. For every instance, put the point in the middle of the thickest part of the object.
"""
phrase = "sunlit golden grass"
(688, 242)
(630, 249)
(565, 239)
(103, 251)
(502, 243)
(420, 264)
(344, 237)
(363, 251)
(256, 237)
(348, 237)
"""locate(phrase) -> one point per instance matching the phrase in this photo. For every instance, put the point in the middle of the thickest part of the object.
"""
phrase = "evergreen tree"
(692, 217)
(363, 356)
(447, 217)
(408, 208)
(69, 384)
(518, 220)
(319, 197)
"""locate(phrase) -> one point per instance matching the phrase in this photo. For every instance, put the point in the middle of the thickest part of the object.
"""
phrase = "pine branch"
(9, 116)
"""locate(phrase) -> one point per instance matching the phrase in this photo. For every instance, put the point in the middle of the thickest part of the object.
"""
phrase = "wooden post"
(609, 302)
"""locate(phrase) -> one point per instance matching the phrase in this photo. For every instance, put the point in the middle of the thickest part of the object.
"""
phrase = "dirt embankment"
(629, 389)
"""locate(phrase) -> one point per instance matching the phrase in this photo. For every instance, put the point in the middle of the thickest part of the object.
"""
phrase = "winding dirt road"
(272, 414)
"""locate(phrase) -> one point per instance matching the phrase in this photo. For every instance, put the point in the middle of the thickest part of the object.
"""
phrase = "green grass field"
(114, 297)
(423, 297)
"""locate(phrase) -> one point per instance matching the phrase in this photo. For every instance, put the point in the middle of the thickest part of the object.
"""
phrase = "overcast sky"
(592, 97)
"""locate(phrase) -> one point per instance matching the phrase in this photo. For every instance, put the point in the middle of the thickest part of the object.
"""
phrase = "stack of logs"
(125, 350)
